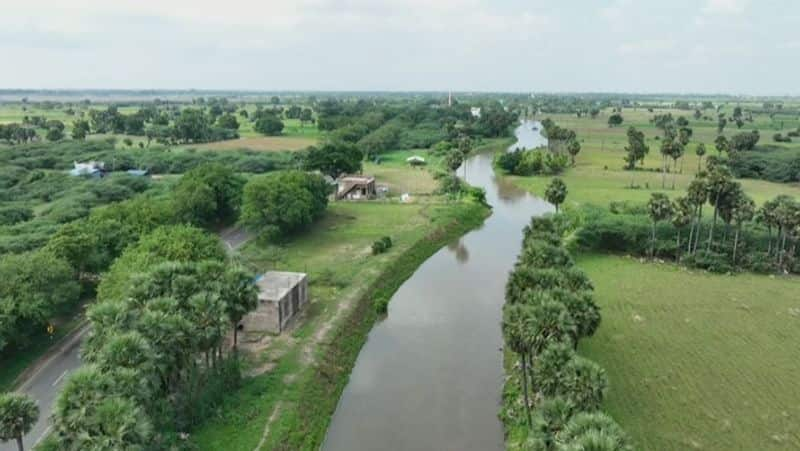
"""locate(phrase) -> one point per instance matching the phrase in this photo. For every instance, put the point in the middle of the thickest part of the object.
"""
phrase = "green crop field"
(599, 178)
(698, 361)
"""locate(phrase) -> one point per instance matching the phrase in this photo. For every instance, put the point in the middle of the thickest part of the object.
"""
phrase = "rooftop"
(273, 285)
(356, 179)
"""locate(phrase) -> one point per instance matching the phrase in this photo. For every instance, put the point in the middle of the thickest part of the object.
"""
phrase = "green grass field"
(598, 176)
(698, 361)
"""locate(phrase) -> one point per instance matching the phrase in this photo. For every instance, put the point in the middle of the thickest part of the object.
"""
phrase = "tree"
(659, 209)
(454, 159)
(283, 202)
(306, 115)
(55, 130)
(80, 129)
(590, 428)
(573, 147)
(228, 121)
(268, 124)
(516, 324)
(744, 141)
(18, 414)
(615, 120)
(683, 214)
(178, 243)
(34, 285)
(719, 185)
(697, 195)
(192, 125)
(700, 151)
(556, 192)
(744, 209)
(636, 149)
(241, 297)
(209, 193)
(721, 123)
(334, 158)
(721, 144)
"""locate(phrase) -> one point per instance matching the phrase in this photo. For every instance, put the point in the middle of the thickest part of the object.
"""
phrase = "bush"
(382, 245)
(13, 215)
(709, 260)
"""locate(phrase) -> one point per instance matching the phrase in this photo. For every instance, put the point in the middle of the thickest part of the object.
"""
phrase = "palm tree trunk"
(19, 444)
(769, 241)
(525, 389)
(663, 171)
(782, 249)
(674, 172)
(713, 223)
(678, 247)
(235, 336)
(653, 246)
(691, 233)
(736, 243)
(699, 227)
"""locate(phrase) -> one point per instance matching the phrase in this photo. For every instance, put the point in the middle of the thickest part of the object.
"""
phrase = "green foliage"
(556, 192)
(334, 158)
(34, 285)
(549, 308)
(382, 245)
(209, 193)
(288, 201)
(268, 124)
(178, 243)
(18, 414)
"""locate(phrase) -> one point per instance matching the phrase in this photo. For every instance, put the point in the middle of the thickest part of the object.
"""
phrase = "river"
(430, 375)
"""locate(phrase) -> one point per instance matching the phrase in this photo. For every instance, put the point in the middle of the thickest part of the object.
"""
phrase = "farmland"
(695, 360)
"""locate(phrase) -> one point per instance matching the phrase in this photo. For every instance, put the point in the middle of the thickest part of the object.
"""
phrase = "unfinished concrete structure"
(281, 296)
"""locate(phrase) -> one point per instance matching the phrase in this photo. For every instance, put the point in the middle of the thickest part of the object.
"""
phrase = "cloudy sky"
(719, 46)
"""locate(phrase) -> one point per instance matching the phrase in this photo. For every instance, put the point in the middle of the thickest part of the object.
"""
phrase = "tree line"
(552, 399)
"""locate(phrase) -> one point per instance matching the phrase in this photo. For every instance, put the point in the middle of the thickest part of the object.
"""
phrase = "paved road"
(46, 380)
(45, 383)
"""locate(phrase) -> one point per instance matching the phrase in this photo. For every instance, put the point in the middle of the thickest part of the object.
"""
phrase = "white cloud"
(647, 47)
(725, 6)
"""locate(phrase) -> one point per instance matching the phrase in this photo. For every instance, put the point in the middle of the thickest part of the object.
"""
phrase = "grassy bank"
(289, 405)
(695, 360)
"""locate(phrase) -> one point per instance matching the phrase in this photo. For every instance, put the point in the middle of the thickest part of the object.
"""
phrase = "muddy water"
(429, 376)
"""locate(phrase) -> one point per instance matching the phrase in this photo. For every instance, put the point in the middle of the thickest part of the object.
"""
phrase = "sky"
(634, 46)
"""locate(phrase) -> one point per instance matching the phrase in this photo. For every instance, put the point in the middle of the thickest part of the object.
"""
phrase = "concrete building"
(281, 296)
(94, 169)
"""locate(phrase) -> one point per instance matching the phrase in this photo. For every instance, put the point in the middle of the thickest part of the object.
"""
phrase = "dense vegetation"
(552, 399)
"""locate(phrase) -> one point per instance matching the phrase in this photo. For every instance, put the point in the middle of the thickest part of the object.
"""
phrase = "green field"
(598, 176)
(697, 361)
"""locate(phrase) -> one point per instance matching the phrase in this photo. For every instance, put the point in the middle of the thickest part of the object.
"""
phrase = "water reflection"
(459, 250)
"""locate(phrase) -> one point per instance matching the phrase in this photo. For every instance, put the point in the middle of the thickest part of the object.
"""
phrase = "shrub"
(382, 245)
(709, 260)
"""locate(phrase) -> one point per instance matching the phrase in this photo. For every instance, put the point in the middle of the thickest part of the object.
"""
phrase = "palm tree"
(719, 185)
(743, 211)
(697, 194)
(682, 216)
(700, 150)
(583, 423)
(240, 297)
(660, 209)
(516, 318)
(556, 192)
(18, 414)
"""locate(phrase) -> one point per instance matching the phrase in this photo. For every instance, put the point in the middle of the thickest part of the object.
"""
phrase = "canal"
(430, 375)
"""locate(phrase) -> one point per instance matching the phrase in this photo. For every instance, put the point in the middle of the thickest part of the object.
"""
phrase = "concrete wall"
(268, 317)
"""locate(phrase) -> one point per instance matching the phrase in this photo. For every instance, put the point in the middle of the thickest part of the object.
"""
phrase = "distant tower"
(450, 98)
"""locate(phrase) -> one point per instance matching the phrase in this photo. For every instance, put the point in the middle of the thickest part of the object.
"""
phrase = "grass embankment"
(598, 176)
(289, 406)
(695, 360)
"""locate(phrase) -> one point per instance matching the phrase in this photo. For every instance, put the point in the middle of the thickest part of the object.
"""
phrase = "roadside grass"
(695, 360)
(316, 358)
